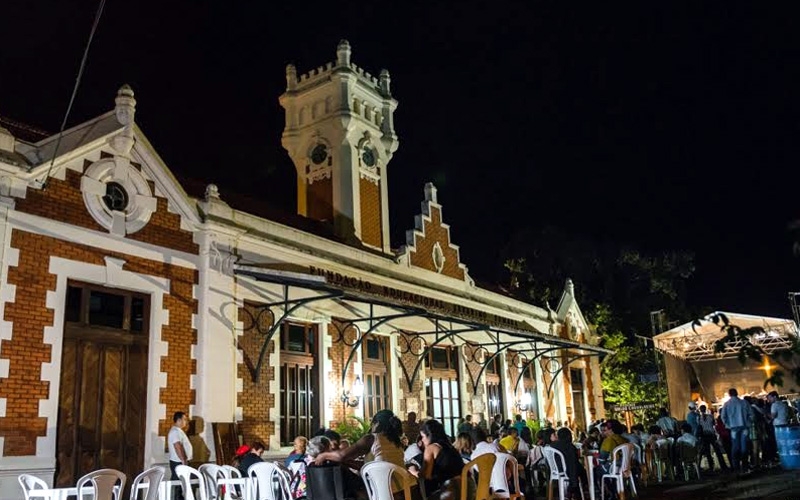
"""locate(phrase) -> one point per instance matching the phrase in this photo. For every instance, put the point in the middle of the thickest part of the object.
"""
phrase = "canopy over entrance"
(421, 322)
(695, 342)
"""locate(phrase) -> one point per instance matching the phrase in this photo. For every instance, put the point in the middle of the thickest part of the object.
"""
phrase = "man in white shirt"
(180, 449)
(779, 410)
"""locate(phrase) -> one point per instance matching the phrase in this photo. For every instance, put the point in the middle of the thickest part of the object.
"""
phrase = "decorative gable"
(428, 245)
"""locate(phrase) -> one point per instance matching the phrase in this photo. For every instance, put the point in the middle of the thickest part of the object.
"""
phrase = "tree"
(750, 349)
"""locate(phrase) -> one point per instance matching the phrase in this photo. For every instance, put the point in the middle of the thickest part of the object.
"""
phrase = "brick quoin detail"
(433, 232)
(63, 201)
(371, 217)
(26, 350)
(255, 398)
(338, 353)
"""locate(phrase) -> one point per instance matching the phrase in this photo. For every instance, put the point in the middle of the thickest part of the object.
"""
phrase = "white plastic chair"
(211, 474)
(30, 482)
(262, 475)
(558, 472)
(378, 479)
(687, 457)
(152, 477)
(620, 470)
(106, 484)
(231, 492)
(500, 484)
(186, 474)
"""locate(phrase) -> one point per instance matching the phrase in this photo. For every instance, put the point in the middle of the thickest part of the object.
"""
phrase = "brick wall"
(433, 232)
(338, 353)
(62, 200)
(256, 399)
(371, 216)
(26, 350)
(412, 397)
(319, 200)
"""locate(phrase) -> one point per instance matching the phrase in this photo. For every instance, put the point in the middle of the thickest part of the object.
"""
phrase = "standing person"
(180, 449)
(411, 427)
(737, 415)
(708, 440)
(497, 422)
(466, 425)
(519, 424)
(563, 443)
(253, 456)
(777, 416)
(691, 417)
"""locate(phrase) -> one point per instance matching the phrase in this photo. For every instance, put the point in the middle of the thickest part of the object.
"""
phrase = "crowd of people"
(742, 430)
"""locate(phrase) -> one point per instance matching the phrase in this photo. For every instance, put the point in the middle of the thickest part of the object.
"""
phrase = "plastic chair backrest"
(186, 474)
(500, 484)
(556, 462)
(30, 482)
(484, 464)
(232, 471)
(152, 477)
(262, 475)
(622, 466)
(107, 484)
(211, 473)
(686, 452)
(377, 477)
(637, 453)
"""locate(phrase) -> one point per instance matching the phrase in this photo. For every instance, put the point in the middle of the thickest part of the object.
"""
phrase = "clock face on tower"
(319, 154)
(368, 157)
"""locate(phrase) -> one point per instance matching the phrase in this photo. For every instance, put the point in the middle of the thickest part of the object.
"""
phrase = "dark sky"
(658, 124)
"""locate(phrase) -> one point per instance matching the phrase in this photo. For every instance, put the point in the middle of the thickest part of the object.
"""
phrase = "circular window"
(116, 198)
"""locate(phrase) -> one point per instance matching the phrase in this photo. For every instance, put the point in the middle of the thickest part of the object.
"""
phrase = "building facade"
(124, 298)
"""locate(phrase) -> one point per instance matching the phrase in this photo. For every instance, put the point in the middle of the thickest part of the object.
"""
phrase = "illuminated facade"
(125, 298)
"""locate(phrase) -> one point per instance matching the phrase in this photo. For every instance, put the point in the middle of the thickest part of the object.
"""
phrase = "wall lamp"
(524, 402)
(355, 392)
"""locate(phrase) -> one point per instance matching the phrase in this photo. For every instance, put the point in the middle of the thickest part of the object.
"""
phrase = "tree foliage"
(617, 287)
(751, 349)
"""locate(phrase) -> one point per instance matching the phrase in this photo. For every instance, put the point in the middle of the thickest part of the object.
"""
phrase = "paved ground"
(772, 484)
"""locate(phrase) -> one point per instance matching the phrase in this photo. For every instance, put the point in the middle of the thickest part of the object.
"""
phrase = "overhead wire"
(95, 24)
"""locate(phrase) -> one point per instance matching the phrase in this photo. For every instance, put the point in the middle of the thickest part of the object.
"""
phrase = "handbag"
(324, 482)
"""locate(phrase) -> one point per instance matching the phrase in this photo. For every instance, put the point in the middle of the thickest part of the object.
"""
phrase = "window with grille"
(442, 388)
(375, 356)
(299, 408)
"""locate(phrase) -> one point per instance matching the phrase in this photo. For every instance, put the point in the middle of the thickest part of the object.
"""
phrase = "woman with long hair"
(381, 444)
(441, 463)
(464, 446)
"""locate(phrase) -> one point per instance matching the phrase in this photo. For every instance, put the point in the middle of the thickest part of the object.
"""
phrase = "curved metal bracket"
(561, 368)
(486, 363)
(289, 306)
(529, 363)
(424, 354)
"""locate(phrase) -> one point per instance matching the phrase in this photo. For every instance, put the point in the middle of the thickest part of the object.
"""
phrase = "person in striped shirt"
(708, 439)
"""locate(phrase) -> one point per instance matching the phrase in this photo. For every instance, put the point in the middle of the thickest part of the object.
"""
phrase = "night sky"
(661, 125)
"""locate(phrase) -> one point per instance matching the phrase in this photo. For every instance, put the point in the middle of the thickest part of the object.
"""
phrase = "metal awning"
(363, 313)
(694, 341)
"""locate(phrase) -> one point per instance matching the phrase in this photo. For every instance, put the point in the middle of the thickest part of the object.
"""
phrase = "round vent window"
(116, 198)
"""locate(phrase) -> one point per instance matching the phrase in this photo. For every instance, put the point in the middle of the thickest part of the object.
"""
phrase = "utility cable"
(74, 90)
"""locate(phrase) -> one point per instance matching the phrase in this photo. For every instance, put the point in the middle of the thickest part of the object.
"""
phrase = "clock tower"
(340, 135)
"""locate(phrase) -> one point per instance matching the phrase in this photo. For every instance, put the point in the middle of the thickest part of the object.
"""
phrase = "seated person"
(253, 456)
(686, 435)
(299, 451)
(483, 445)
(511, 441)
(563, 443)
(464, 446)
(441, 463)
(317, 445)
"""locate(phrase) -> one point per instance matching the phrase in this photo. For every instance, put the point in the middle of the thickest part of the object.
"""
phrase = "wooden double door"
(103, 386)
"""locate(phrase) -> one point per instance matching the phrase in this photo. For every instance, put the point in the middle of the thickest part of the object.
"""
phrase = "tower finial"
(570, 287)
(430, 192)
(125, 108)
(386, 82)
(291, 77)
(343, 53)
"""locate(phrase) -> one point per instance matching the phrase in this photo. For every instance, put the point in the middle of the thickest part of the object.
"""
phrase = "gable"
(428, 245)
(106, 178)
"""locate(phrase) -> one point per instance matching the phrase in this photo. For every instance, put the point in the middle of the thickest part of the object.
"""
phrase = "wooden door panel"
(112, 418)
(66, 435)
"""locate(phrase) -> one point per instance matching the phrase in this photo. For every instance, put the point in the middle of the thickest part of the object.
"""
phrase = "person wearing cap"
(251, 456)
(692, 416)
